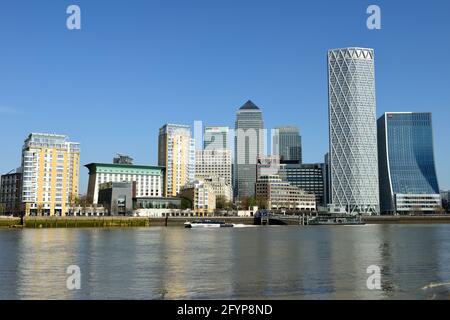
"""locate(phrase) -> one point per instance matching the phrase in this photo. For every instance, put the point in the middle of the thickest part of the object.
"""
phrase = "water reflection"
(256, 262)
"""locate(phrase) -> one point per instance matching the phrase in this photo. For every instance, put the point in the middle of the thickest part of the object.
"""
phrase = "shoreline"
(131, 222)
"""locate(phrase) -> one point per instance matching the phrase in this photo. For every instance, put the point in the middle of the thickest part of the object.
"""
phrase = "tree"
(222, 203)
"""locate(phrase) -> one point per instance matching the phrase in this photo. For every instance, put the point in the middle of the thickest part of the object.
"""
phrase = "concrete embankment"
(105, 222)
(407, 219)
(110, 222)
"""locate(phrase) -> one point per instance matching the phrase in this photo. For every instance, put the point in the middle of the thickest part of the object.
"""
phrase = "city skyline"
(295, 85)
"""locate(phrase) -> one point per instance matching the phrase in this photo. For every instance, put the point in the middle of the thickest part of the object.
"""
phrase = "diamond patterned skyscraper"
(353, 131)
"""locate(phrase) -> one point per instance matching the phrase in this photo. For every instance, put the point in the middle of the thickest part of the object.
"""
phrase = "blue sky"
(136, 65)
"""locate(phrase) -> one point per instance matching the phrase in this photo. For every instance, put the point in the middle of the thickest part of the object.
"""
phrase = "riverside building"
(149, 180)
(280, 195)
(201, 197)
(50, 174)
(353, 157)
(10, 193)
(176, 152)
(408, 180)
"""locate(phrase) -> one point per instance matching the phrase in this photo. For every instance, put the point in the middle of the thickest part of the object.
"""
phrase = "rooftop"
(249, 105)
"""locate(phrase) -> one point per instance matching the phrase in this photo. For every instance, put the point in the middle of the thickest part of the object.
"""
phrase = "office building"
(222, 188)
(309, 177)
(149, 179)
(287, 143)
(407, 174)
(116, 198)
(327, 180)
(50, 174)
(352, 129)
(176, 152)
(249, 145)
(268, 166)
(10, 193)
(213, 163)
(280, 195)
(215, 138)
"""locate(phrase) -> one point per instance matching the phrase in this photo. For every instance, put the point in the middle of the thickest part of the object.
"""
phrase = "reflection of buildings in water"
(113, 265)
(442, 239)
(44, 256)
(173, 265)
(250, 270)
(409, 259)
(9, 263)
(194, 263)
(354, 249)
(315, 254)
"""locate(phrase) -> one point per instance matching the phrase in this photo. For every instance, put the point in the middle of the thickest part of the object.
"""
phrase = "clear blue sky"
(136, 65)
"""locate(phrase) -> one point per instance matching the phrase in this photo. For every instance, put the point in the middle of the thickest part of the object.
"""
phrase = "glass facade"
(406, 160)
(310, 177)
(248, 146)
(287, 143)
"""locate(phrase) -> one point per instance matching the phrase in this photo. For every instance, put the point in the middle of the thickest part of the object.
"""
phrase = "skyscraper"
(408, 181)
(287, 143)
(50, 173)
(249, 145)
(215, 138)
(176, 152)
(352, 129)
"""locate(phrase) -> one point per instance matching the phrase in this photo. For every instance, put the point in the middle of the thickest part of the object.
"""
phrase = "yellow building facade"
(176, 152)
(50, 182)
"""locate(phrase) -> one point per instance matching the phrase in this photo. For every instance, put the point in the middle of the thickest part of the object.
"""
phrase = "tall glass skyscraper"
(287, 143)
(408, 181)
(249, 145)
(215, 138)
(353, 158)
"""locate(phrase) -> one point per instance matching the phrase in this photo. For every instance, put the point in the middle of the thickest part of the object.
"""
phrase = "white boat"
(207, 224)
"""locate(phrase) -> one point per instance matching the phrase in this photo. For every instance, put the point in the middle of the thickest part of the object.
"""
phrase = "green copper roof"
(123, 168)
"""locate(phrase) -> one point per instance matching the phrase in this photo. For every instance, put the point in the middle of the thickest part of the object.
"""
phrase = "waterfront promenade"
(110, 222)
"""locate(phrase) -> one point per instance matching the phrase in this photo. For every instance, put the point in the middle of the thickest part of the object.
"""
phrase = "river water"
(276, 262)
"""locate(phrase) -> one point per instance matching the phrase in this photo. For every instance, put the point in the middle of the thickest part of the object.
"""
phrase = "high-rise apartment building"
(50, 174)
(215, 138)
(176, 152)
(352, 128)
(249, 145)
(408, 181)
(287, 143)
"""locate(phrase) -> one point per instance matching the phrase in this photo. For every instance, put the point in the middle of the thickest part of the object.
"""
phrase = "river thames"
(276, 262)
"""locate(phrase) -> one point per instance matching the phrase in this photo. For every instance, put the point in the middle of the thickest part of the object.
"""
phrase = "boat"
(207, 224)
(337, 220)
